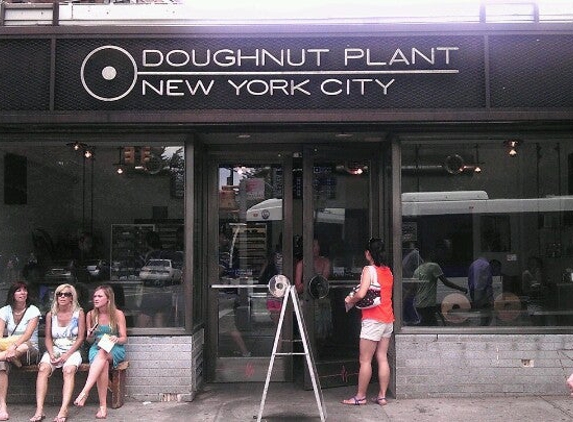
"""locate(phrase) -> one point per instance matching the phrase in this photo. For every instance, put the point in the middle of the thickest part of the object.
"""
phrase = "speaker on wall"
(15, 179)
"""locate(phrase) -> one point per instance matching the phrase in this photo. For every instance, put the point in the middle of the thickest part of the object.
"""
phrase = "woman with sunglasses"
(65, 328)
(19, 318)
(103, 320)
(377, 325)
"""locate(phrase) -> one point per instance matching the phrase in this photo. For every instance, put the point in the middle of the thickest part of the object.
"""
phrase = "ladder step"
(290, 354)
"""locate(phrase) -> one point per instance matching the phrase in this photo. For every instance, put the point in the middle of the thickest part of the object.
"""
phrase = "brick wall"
(442, 365)
(160, 369)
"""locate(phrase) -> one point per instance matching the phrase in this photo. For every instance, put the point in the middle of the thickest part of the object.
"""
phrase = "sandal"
(102, 413)
(60, 419)
(380, 400)
(355, 401)
(37, 418)
(81, 400)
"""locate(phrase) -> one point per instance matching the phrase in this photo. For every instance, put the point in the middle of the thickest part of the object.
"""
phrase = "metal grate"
(25, 81)
(531, 71)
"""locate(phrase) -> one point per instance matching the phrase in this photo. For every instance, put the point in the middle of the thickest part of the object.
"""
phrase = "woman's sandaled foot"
(355, 401)
(101, 413)
(380, 400)
(81, 400)
(37, 418)
(4, 416)
(60, 419)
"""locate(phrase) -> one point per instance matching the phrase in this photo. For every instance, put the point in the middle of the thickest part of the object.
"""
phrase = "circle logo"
(109, 73)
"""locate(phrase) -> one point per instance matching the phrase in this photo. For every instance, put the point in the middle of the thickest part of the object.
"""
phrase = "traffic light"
(145, 155)
(129, 155)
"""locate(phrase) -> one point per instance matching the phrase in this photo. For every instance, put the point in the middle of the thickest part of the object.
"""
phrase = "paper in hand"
(105, 343)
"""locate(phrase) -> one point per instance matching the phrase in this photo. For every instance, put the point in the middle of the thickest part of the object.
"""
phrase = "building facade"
(188, 163)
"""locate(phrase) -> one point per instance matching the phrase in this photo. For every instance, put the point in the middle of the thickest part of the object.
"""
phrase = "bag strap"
(373, 277)
(17, 325)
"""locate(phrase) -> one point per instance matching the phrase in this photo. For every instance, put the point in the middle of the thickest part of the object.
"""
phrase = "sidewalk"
(286, 402)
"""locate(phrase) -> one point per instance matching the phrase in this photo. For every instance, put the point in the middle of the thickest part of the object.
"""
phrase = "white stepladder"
(279, 286)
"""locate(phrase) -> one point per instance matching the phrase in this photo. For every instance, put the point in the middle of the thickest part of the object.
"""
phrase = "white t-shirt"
(8, 318)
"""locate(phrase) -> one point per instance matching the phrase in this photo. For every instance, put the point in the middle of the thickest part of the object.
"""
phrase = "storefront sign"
(355, 72)
(298, 73)
(261, 72)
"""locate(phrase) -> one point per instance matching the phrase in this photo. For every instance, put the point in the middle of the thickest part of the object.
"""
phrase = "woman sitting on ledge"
(19, 318)
(65, 333)
(108, 334)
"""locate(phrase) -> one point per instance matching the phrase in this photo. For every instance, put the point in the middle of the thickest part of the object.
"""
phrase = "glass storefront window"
(493, 219)
(250, 241)
(88, 215)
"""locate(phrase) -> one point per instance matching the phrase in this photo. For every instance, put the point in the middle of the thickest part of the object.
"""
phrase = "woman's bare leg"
(98, 365)
(367, 349)
(69, 375)
(102, 384)
(3, 393)
(44, 372)
(383, 369)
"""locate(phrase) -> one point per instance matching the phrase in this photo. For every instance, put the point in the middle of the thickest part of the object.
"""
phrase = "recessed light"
(343, 135)
(244, 136)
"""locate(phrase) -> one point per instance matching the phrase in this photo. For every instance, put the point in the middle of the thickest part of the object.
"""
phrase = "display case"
(250, 243)
(128, 250)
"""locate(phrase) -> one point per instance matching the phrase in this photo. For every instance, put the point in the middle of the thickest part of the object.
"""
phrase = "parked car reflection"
(98, 269)
(160, 272)
(61, 272)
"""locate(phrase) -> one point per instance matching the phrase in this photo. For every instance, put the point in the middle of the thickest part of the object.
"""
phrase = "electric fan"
(318, 287)
(278, 285)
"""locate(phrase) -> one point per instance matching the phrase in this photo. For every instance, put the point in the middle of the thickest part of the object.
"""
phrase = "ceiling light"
(77, 146)
(511, 146)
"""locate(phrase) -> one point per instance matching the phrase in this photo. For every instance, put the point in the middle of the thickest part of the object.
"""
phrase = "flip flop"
(80, 401)
(380, 401)
(38, 418)
(355, 401)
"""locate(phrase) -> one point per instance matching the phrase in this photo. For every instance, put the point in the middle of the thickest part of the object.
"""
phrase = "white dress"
(63, 339)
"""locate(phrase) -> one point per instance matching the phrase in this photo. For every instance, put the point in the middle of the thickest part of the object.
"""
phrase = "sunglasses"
(64, 294)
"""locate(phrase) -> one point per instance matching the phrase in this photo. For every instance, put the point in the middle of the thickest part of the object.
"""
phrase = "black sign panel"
(531, 71)
(528, 71)
(270, 73)
(25, 74)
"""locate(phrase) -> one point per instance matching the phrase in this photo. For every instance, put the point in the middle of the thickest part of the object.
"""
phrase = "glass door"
(249, 229)
(340, 214)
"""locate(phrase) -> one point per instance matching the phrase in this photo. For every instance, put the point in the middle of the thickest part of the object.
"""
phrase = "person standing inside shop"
(377, 326)
(427, 276)
(480, 284)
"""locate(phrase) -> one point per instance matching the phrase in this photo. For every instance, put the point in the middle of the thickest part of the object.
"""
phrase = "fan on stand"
(318, 287)
(278, 285)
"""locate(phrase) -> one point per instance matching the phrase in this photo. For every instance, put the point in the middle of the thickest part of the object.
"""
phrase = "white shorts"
(375, 330)
(74, 360)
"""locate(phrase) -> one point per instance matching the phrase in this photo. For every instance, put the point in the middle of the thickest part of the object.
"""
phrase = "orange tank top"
(383, 312)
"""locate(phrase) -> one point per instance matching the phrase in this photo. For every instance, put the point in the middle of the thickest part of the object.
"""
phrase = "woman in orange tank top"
(377, 326)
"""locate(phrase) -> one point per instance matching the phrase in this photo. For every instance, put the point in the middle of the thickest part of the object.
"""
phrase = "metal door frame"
(378, 154)
(236, 153)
